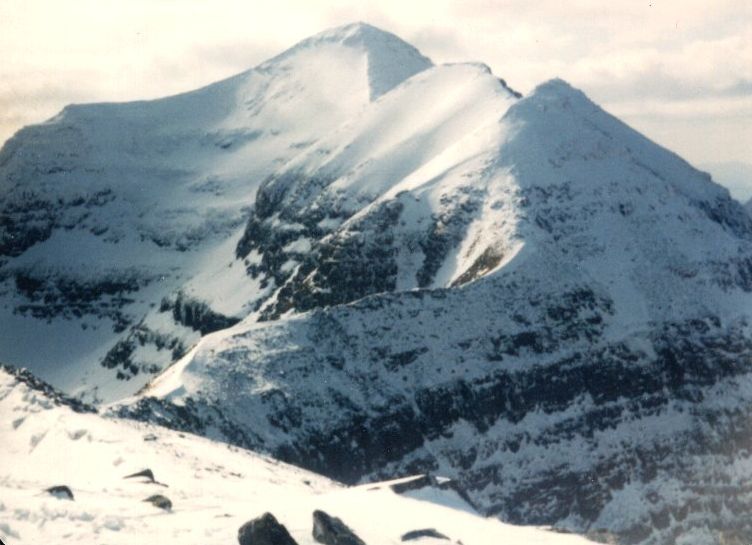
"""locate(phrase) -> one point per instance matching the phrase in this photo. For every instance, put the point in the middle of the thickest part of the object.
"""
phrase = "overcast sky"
(679, 71)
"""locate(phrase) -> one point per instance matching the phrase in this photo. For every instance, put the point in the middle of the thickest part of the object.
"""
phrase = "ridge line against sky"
(679, 71)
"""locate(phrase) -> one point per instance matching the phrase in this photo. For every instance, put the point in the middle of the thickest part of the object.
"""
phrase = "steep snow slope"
(748, 206)
(394, 196)
(583, 358)
(214, 489)
(108, 209)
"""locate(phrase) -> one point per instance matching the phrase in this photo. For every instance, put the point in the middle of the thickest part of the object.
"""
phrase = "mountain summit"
(390, 60)
(371, 266)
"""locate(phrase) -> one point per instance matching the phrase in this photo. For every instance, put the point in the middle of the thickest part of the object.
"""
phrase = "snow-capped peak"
(555, 94)
(561, 119)
(557, 86)
(357, 32)
(390, 60)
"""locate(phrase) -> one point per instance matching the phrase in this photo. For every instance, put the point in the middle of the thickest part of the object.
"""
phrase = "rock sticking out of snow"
(60, 491)
(147, 474)
(265, 530)
(158, 500)
(424, 532)
(332, 531)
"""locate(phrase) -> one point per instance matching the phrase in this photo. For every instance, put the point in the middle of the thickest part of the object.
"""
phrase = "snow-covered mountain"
(748, 206)
(119, 221)
(580, 355)
(370, 266)
(213, 490)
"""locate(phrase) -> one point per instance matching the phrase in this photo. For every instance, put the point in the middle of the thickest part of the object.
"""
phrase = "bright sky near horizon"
(679, 71)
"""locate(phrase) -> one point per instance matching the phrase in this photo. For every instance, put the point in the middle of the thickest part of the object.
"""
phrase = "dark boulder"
(147, 474)
(425, 532)
(158, 500)
(264, 530)
(332, 531)
(60, 491)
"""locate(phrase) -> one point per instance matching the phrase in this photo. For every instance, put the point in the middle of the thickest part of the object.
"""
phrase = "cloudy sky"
(679, 70)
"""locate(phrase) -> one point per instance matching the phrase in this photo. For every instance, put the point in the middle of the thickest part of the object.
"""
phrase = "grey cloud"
(440, 42)
(656, 82)
(743, 87)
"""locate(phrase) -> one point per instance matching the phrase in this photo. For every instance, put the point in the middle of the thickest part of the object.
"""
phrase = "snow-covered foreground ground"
(214, 488)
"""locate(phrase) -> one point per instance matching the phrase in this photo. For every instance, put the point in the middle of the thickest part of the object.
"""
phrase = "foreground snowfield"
(214, 488)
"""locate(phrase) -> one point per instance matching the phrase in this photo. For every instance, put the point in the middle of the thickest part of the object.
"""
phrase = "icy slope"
(107, 209)
(214, 489)
(583, 361)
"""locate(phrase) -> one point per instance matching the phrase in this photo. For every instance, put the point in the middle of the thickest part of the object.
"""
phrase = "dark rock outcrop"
(425, 532)
(60, 491)
(264, 530)
(47, 296)
(147, 474)
(331, 530)
(122, 355)
(196, 314)
(158, 500)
